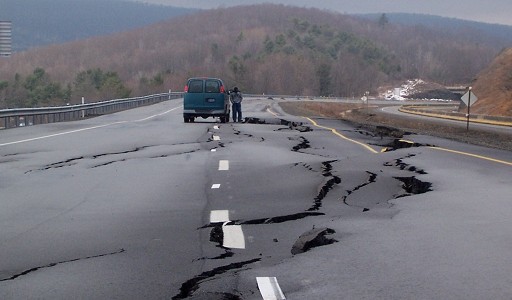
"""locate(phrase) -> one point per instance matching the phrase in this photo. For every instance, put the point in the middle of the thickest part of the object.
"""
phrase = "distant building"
(5, 38)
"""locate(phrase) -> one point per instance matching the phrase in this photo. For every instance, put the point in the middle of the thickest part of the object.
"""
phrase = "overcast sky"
(490, 11)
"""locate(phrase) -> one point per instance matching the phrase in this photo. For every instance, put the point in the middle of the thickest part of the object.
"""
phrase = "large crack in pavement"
(410, 185)
(371, 179)
(59, 263)
(399, 162)
(73, 161)
(402, 144)
(330, 182)
(188, 288)
(304, 144)
(299, 126)
(270, 220)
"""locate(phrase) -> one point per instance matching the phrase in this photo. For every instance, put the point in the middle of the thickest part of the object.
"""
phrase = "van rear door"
(204, 95)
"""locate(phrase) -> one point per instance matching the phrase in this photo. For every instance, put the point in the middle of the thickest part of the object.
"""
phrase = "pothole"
(413, 186)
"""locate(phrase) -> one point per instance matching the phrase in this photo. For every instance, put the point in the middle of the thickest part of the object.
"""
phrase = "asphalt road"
(394, 110)
(139, 205)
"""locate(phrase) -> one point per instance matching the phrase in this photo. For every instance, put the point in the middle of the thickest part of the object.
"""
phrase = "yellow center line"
(270, 111)
(508, 163)
(474, 155)
(342, 136)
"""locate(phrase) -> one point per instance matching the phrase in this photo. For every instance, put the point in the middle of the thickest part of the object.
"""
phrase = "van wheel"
(223, 119)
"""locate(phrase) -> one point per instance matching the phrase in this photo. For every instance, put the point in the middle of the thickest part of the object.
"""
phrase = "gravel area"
(380, 123)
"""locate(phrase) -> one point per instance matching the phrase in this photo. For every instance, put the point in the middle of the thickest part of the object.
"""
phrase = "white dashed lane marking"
(216, 138)
(269, 288)
(233, 236)
(224, 165)
(216, 186)
(219, 216)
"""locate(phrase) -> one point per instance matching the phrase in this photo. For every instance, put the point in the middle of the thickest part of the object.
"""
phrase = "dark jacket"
(236, 97)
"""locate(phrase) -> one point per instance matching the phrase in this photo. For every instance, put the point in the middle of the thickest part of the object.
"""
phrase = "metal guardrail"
(19, 117)
(429, 112)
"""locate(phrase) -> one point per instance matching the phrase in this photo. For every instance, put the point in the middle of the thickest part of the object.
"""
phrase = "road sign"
(469, 97)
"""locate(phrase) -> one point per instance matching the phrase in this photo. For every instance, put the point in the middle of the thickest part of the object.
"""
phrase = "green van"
(205, 97)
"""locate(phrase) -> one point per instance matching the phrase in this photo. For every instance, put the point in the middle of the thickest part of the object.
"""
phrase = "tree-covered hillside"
(495, 34)
(261, 48)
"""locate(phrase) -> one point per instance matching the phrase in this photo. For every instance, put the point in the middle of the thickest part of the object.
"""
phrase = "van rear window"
(212, 86)
(195, 86)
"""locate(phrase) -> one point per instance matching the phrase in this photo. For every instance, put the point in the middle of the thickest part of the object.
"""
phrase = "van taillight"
(222, 90)
(186, 89)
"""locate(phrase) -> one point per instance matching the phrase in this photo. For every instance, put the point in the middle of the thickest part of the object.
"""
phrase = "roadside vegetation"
(38, 89)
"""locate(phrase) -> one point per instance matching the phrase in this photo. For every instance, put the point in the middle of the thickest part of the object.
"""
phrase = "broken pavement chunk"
(311, 239)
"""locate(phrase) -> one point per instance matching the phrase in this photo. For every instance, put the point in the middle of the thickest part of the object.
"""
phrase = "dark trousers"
(237, 112)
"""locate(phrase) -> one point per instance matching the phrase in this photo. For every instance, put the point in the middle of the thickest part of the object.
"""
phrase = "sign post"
(466, 98)
(365, 100)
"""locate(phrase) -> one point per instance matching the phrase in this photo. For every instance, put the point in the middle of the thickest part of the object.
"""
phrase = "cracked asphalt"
(121, 206)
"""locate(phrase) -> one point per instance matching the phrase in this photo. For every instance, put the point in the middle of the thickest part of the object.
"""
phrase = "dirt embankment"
(493, 87)
(370, 120)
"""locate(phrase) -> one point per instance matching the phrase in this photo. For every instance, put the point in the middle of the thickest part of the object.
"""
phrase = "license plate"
(210, 100)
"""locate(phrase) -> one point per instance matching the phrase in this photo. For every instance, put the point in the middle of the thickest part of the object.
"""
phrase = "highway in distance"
(140, 205)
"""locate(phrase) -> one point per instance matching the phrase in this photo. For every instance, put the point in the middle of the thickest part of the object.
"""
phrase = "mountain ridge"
(44, 22)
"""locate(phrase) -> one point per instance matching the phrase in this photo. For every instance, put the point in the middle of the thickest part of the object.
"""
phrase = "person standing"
(236, 101)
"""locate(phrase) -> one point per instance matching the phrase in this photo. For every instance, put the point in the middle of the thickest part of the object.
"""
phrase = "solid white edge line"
(269, 288)
(85, 129)
(217, 216)
(233, 236)
(223, 165)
